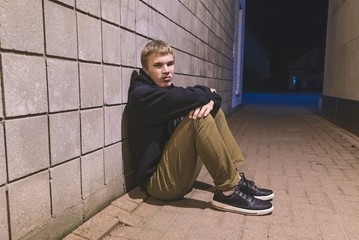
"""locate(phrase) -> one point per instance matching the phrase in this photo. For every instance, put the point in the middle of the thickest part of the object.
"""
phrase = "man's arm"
(204, 110)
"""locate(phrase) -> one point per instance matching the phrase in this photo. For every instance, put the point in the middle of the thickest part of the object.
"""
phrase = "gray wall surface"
(65, 69)
(342, 50)
(341, 86)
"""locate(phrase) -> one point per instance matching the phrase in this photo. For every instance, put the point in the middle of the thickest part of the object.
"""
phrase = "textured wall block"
(64, 136)
(111, 43)
(112, 84)
(128, 14)
(128, 48)
(142, 18)
(113, 162)
(29, 201)
(66, 186)
(164, 29)
(140, 44)
(127, 73)
(89, 6)
(89, 38)
(24, 84)
(4, 233)
(2, 157)
(27, 145)
(68, 2)
(113, 118)
(1, 100)
(60, 225)
(63, 85)
(92, 173)
(111, 10)
(153, 3)
(61, 39)
(91, 85)
(21, 21)
(152, 24)
(92, 129)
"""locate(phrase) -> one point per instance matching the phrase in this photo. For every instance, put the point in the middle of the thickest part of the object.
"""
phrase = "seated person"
(174, 130)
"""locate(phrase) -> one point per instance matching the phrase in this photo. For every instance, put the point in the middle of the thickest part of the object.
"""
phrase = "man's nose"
(165, 68)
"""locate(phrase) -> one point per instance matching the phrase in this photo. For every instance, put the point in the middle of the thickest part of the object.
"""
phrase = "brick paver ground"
(311, 164)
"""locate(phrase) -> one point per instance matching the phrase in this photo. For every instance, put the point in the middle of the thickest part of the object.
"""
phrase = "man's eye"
(170, 63)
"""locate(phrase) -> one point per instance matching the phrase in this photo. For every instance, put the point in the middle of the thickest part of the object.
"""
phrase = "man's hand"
(201, 111)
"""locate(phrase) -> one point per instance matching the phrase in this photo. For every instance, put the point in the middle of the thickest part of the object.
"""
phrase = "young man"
(173, 130)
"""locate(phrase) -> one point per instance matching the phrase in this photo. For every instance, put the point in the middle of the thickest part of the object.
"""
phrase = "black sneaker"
(240, 202)
(250, 188)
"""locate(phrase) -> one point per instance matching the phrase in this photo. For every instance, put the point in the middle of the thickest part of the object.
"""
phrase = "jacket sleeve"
(158, 105)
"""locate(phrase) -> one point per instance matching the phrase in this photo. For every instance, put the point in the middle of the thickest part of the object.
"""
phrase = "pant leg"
(180, 165)
(228, 138)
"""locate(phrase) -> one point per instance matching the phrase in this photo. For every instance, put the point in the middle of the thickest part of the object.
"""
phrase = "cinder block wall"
(340, 87)
(65, 70)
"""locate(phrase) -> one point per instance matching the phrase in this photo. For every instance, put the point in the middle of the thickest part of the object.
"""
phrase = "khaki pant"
(205, 140)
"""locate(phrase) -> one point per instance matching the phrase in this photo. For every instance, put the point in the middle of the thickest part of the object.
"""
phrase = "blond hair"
(156, 46)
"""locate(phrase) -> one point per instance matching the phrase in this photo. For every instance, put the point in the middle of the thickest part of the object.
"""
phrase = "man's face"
(161, 69)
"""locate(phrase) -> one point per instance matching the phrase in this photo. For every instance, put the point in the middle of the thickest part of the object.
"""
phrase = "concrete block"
(1, 100)
(64, 136)
(128, 14)
(92, 173)
(21, 21)
(91, 85)
(68, 2)
(140, 44)
(128, 48)
(2, 157)
(92, 130)
(164, 28)
(29, 201)
(4, 232)
(60, 226)
(66, 186)
(63, 85)
(127, 74)
(27, 145)
(152, 24)
(153, 3)
(111, 43)
(98, 201)
(60, 29)
(24, 81)
(89, 6)
(112, 84)
(191, 5)
(113, 117)
(169, 9)
(113, 162)
(111, 10)
(89, 38)
(142, 18)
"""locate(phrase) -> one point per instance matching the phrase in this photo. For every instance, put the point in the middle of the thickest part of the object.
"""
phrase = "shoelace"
(248, 182)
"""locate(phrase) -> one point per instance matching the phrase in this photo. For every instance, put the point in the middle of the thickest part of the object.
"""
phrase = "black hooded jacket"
(152, 113)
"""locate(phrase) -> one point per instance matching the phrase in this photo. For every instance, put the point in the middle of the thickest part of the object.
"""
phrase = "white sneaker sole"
(229, 208)
(265, 198)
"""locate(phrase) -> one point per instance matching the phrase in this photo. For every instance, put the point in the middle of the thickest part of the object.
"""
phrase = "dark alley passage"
(311, 164)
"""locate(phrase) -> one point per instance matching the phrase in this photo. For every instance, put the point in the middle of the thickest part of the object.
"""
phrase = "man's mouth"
(167, 78)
